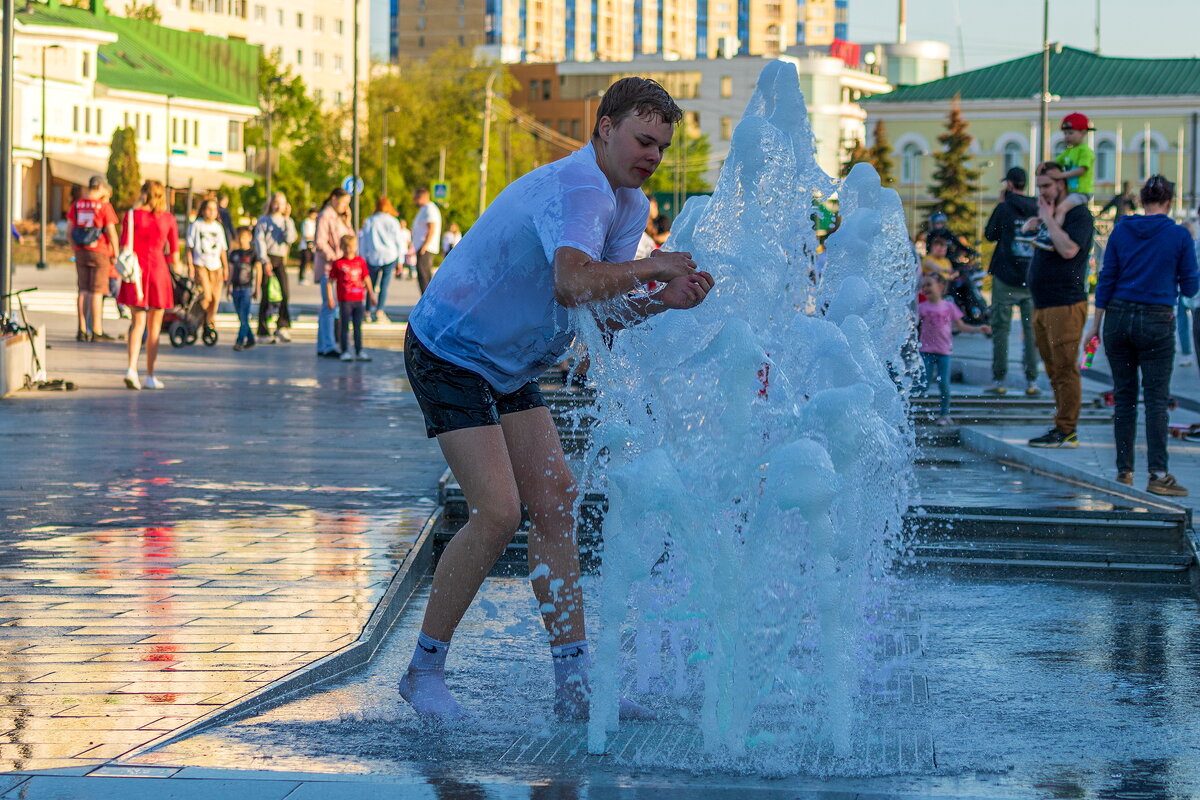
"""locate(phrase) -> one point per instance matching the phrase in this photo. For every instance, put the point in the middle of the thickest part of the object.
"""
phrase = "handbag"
(128, 266)
(274, 290)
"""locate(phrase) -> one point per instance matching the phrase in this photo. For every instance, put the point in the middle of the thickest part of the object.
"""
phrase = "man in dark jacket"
(1057, 283)
(1009, 268)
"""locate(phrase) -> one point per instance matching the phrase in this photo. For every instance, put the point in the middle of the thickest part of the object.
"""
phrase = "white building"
(102, 73)
(315, 38)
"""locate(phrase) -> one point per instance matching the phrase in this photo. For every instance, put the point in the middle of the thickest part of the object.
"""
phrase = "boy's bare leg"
(548, 491)
(1060, 213)
(479, 459)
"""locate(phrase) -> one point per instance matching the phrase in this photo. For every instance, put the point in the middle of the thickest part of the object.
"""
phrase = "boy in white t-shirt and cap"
(493, 318)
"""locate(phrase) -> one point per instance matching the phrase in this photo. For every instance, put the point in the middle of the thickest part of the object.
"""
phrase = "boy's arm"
(963, 327)
(684, 292)
(578, 279)
(1072, 173)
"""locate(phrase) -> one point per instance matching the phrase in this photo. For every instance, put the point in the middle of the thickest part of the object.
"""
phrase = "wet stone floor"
(1019, 690)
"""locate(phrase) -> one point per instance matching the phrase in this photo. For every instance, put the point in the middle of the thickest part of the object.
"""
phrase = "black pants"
(351, 311)
(424, 270)
(1140, 336)
(306, 262)
(264, 308)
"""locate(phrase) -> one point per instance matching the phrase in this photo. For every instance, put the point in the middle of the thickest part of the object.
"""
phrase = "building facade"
(547, 31)
(1146, 113)
(186, 95)
(713, 93)
(313, 38)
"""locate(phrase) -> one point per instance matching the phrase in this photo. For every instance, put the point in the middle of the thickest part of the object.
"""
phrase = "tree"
(682, 167)
(146, 12)
(858, 154)
(881, 156)
(955, 182)
(123, 173)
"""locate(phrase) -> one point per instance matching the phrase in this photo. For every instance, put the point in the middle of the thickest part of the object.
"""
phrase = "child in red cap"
(1077, 167)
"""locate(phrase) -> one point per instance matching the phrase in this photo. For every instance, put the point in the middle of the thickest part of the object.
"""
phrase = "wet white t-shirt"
(490, 308)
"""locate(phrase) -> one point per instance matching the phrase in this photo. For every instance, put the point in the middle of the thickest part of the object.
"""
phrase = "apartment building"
(547, 31)
(314, 38)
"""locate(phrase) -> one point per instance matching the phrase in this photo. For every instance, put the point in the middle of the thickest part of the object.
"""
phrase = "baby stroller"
(186, 319)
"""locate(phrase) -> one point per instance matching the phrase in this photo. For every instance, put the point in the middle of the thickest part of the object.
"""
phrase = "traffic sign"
(441, 191)
(353, 185)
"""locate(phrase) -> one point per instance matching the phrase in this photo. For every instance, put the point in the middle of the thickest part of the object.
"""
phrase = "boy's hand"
(254, 295)
(986, 329)
(331, 304)
(686, 291)
(673, 265)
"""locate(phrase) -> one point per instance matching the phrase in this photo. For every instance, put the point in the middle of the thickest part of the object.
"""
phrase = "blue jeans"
(1140, 337)
(939, 363)
(381, 276)
(241, 304)
(325, 317)
(1183, 327)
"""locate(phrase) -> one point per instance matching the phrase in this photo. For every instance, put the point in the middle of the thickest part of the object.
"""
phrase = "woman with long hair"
(154, 236)
(274, 235)
(208, 257)
(1149, 262)
(382, 243)
(332, 224)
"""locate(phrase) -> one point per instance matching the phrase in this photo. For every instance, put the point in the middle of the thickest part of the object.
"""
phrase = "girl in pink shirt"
(938, 319)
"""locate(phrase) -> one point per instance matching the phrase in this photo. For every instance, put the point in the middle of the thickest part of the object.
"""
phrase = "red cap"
(1077, 122)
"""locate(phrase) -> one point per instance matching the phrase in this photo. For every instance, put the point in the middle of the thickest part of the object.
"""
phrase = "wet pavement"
(166, 553)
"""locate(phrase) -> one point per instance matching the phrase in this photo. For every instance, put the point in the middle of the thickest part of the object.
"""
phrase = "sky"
(999, 30)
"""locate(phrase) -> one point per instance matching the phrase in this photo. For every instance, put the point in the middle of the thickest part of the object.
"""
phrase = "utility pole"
(487, 130)
(1044, 135)
(386, 145)
(43, 196)
(267, 166)
(1097, 27)
(354, 113)
(6, 145)
(167, 171)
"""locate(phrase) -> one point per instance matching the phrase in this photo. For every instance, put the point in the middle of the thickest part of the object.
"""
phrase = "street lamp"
(386, 144)
(270, 113)
(487, 131)
(354, 116)
(41, 264)
(6, 119)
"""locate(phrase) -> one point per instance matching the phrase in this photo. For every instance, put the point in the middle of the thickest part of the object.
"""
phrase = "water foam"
(757, 453)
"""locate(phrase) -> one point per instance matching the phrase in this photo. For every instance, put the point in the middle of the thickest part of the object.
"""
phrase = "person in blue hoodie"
(1149, 262)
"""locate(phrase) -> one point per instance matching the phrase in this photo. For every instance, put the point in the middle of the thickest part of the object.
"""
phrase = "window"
(299, 58)
(260, 13)
(337, 97)
(533, 91)
(338, 62)
(319, 24)
(726, 86)
(87, 64)
(87, 119)
(1149, 162)
(185, 132)
(421, 42)
(234, 141)
(174, 131)
(238, 8)
(147, 132)
(196, 132)
(125, 123)
(300, 20)
(726, 128)
(75, 120)
(910, 164)
(1106, 161)
(339, 27)
(99, 124)
(545, 90)
(564, 125)
(462, 21)
(574, 129)
(318, 61)
(420, 23)
(279, 16)
(1014, 156)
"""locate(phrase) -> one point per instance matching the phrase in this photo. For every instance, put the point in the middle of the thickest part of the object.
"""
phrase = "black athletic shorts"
(453, 398)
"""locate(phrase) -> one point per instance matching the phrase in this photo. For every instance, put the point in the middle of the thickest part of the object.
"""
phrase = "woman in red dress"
(154, 235)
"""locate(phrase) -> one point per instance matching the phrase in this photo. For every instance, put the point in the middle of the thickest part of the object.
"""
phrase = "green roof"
(150, 58)
(1073, 73)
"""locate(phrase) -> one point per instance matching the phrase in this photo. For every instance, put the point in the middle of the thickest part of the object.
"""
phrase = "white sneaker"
(1186, 361)
(283, 335)
(347, 356)
(362, 356)
(996, 388)
(382, 316)
(131, 380)
(154, 383)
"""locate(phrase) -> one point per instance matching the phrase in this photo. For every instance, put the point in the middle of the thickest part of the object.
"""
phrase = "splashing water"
(757, 452)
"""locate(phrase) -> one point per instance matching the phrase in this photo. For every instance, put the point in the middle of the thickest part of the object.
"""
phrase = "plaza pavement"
(167, 553)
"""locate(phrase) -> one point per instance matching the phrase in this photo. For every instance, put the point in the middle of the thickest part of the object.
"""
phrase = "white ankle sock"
(572, 692)
(424, 683)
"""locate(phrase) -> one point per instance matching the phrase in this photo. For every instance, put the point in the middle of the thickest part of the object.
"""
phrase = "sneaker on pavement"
(239, 347)
(1186, 361)
(329, 354)
(131, 380)
(1125, 478)
(347, 356)
(1032, 389)
(282, 335)
(1055, 438)
(997, 388)
(154, 383)
(1165, 484)
(361, 356)
(942, 422)
(83, 336)
(382, 317)
(103, 337)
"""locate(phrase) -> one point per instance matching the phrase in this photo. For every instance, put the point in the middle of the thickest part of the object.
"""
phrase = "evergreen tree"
(955, 182)
(123, 172)
(857, 154)
(881, 156)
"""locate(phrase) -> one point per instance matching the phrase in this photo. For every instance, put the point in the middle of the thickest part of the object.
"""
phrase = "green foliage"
(146, 12)
(123, 173)
(955, 183)
(881, 156)
(858, 154)
(685, 162)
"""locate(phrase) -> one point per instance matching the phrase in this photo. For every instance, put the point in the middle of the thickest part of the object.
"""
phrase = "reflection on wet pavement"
(113, 636)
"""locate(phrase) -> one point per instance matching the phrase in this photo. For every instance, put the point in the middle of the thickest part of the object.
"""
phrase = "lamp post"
(41, 264)
(6, 128)
(354, 116)
(270, 114)
(487, 130)
(1045, 105)
(387, 144)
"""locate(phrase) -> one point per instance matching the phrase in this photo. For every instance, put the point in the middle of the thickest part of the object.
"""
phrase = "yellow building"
(1146, 113)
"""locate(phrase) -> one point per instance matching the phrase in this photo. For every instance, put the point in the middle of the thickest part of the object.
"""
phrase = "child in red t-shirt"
(353, 281)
